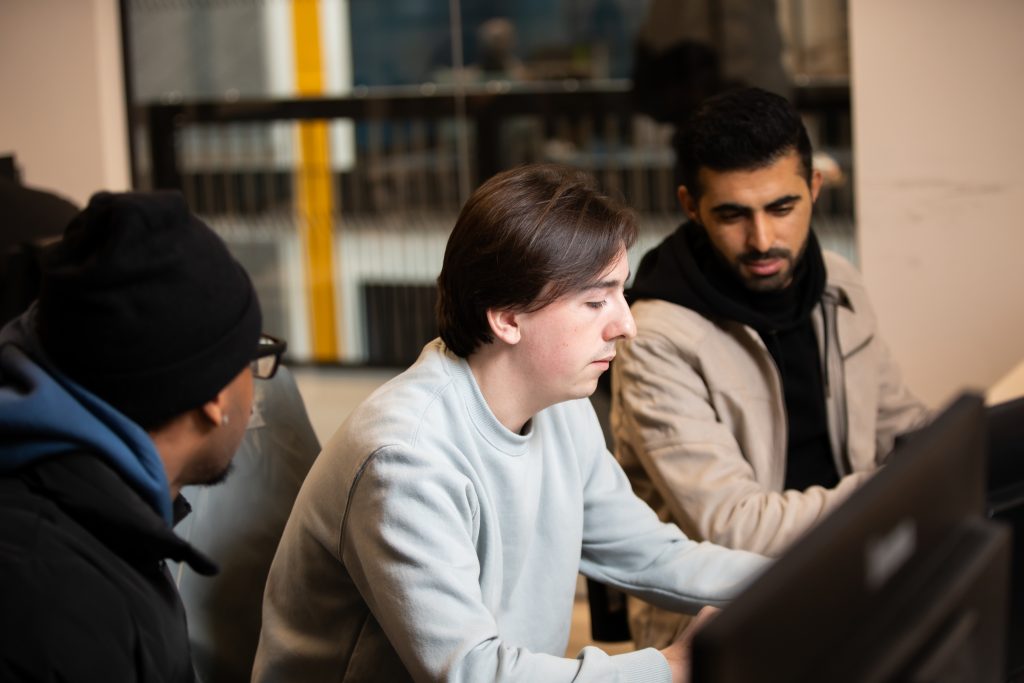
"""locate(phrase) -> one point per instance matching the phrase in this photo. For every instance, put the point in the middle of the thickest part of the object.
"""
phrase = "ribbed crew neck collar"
(495, 433)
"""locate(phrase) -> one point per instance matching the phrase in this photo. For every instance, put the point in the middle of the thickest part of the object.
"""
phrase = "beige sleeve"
(899, 411)
(664, 418)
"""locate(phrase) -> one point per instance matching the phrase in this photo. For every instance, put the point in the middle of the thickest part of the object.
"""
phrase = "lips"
(764, 268)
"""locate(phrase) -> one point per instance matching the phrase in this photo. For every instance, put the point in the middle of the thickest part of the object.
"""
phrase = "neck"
(495, 372)
(171, 445)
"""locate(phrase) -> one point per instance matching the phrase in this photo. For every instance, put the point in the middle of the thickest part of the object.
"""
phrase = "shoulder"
(841, 273)
(844, 279)
(675, 334)
(662, 321)
(408, 425)
(423, 396)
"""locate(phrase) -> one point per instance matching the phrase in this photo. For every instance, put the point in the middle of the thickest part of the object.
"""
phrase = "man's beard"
(767, 283)
(771, 283)
(208, 474)
(219, 477)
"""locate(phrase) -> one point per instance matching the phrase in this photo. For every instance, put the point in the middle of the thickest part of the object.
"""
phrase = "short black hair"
(525, 238)
(738, 130)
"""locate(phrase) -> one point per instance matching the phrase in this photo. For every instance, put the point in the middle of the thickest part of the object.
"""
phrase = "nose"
(761, 234)
(622, 325)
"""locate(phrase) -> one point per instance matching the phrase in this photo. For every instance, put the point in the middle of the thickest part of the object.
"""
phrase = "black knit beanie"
(142, 304)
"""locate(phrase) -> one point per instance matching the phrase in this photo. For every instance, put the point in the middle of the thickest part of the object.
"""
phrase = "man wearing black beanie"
(130, 377)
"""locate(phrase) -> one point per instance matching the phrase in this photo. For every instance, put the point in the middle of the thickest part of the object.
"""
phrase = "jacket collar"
(99, 499)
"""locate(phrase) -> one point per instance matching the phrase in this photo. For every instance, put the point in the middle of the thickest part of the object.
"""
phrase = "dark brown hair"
(525, 238)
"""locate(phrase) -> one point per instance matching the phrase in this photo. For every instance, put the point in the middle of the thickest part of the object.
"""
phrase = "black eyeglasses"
(268, 356)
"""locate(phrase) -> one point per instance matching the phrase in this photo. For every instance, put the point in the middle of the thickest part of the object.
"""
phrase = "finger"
(706, 614)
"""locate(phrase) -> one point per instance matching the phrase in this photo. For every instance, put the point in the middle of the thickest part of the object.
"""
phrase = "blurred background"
(332, 142)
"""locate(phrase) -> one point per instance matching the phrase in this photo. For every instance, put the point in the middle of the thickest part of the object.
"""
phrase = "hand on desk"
(678, 653)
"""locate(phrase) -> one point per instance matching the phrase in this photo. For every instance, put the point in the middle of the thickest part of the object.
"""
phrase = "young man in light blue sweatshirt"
(440, 532)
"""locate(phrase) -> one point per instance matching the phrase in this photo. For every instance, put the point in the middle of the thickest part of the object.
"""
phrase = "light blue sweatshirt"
(429, 531)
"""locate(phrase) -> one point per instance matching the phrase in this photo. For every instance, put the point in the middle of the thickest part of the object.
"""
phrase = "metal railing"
(402, 162)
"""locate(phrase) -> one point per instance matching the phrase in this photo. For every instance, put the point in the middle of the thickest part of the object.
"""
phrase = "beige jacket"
(700, 426)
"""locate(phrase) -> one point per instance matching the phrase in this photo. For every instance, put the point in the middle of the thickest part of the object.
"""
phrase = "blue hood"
(43, 413)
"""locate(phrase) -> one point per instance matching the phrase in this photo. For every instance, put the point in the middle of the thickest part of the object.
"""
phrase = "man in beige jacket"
(757, 393)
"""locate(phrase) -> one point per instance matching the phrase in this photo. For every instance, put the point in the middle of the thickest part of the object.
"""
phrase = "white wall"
(938, 111)
(63, 96)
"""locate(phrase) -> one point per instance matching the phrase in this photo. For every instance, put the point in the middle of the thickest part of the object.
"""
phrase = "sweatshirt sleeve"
(408, 544)
(627, 546)
(664, 419)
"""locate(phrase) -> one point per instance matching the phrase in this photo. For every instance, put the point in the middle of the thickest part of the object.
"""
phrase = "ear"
(215, 409)
(816, 180)
(687, 201)
(504, 325)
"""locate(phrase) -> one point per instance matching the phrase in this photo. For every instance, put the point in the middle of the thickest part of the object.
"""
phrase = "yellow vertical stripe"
(314, 187)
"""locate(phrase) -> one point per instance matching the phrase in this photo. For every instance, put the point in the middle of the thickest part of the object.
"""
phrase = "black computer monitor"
(906, 581)
(1006, 504)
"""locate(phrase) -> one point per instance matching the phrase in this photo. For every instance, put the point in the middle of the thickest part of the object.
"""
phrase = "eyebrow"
(782, 201)
(741, 208)
(608, 284)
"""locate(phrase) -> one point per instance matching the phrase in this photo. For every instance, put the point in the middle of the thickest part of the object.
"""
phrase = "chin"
(769, 284)
(588, 390)
(214, 478)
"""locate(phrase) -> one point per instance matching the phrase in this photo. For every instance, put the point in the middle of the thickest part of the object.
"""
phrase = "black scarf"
(685, 269)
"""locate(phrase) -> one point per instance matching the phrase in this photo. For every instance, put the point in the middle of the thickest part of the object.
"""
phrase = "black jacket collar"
(96, 497)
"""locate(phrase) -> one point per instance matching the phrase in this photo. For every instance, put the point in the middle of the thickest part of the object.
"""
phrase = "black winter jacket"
(85, 528)
(85, 593)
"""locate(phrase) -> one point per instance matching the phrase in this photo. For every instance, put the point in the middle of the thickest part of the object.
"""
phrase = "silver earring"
(224, 419)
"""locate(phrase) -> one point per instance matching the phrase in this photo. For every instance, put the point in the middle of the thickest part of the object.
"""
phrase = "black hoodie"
(686, 270)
